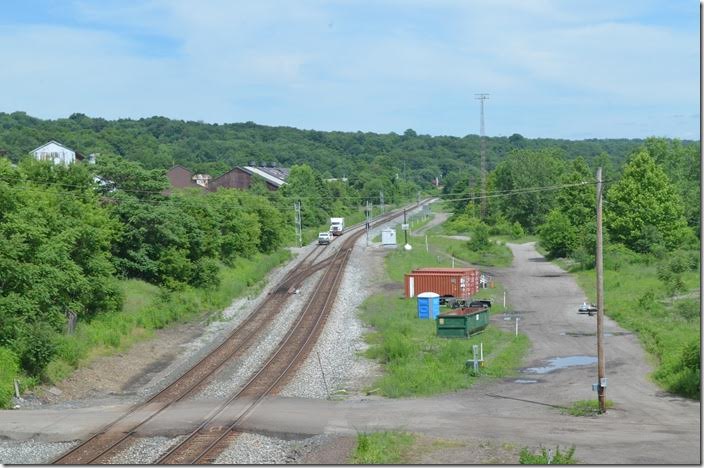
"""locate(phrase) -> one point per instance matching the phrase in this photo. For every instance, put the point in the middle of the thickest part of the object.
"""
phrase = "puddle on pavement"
(561, 363)
(525, 381)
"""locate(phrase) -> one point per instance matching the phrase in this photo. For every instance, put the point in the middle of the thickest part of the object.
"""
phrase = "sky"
(552, 68)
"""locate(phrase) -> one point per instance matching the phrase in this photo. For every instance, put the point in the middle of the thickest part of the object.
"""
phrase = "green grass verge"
(148, 308)
(495, 255)
(586, 407)
(417, 362)
(669, 329)
(382, 448)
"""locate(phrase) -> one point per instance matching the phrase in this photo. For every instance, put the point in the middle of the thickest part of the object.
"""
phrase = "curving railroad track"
(218, 428)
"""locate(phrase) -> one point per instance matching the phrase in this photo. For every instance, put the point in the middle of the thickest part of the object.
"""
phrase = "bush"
(517, 231)
(36, 346)
(526, 457)
(9, 368)
(480, 237)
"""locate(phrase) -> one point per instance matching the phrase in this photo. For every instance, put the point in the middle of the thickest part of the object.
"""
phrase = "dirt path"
(438, 219)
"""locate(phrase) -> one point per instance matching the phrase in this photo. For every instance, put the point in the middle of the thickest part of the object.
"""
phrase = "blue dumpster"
(428, 305)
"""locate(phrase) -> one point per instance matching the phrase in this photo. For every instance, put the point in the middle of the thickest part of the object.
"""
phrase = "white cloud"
(386, 65)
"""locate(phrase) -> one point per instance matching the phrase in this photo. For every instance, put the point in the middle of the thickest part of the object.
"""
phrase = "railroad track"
(217, 431)
(119, 434)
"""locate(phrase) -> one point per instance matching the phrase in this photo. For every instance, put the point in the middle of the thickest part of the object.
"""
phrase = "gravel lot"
(31, 452)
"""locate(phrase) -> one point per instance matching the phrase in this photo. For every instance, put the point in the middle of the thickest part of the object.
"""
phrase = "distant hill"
(159, 142)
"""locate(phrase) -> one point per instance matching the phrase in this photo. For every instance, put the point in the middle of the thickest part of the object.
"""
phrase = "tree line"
(68, 234)
(373, 162)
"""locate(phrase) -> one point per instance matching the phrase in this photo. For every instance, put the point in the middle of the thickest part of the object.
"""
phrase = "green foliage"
(587, 407)
(643, 209)
(480, 237)
(35, 347)
(570, 228)
(517, 231)
(381, 448)
(524, 169)
(460, 223)
(558, 236)
(495, 254)
(543, 457)
(9, 369)
(54, 257)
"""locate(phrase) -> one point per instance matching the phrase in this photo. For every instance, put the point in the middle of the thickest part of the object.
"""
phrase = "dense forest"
(158, 143)
(68, 235)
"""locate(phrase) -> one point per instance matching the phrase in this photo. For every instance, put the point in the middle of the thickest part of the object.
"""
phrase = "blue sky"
(553, 68)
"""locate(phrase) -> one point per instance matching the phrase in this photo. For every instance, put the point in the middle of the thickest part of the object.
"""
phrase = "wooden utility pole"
(601, 368)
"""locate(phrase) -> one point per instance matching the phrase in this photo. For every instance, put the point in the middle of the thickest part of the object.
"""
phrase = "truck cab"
(337, 226)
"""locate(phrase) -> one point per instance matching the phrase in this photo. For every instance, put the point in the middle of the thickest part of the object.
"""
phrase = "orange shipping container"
(448, 282)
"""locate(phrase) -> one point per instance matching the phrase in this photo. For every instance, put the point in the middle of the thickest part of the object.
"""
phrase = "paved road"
(646, 425)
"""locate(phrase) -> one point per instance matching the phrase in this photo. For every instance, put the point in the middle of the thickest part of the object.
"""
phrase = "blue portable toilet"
(428, 305)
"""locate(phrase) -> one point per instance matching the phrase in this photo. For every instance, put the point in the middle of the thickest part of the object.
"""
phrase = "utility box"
(461, 323)
(388, 237)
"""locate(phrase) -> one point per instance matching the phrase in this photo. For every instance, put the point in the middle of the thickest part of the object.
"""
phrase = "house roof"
(274, 175)
(178, 166)
(78, 155)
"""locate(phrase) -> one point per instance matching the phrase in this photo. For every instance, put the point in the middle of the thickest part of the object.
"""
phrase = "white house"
(57, 153)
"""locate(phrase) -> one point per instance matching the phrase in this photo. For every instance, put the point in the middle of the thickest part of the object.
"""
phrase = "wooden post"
(601, 367)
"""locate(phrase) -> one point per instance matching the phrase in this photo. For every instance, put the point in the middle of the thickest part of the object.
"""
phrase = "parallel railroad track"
(119, 434)
(205, 443)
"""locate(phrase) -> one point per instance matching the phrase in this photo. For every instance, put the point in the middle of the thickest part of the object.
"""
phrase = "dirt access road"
(646, 425)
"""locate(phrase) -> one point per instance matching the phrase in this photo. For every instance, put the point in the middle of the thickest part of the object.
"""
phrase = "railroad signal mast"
(482, 152)
(299, 233)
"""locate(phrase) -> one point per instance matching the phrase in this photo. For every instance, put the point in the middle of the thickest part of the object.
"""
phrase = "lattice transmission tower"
(482, 152)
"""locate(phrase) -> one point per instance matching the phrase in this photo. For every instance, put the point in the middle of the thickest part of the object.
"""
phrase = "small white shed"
(388, 237)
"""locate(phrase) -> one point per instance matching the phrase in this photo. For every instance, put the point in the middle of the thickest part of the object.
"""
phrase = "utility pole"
(369, 220)
(482, 152)
(381, 201)
(297, 209)
(601, 367)
(405, 231)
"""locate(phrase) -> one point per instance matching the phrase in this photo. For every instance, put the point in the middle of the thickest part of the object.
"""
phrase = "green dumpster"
(461, 323)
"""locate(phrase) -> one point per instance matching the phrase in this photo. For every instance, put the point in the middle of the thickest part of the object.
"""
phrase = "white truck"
(337, 226)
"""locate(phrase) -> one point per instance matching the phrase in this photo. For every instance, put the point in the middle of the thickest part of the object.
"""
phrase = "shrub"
(517, 230)
(36, 346)
(480, 237)
(9, 368)
(526, 457)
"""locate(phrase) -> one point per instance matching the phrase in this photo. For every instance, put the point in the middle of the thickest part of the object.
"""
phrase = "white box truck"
(337, 225)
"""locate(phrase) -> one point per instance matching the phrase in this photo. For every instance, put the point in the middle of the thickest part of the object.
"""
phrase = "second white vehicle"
(324, 238)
